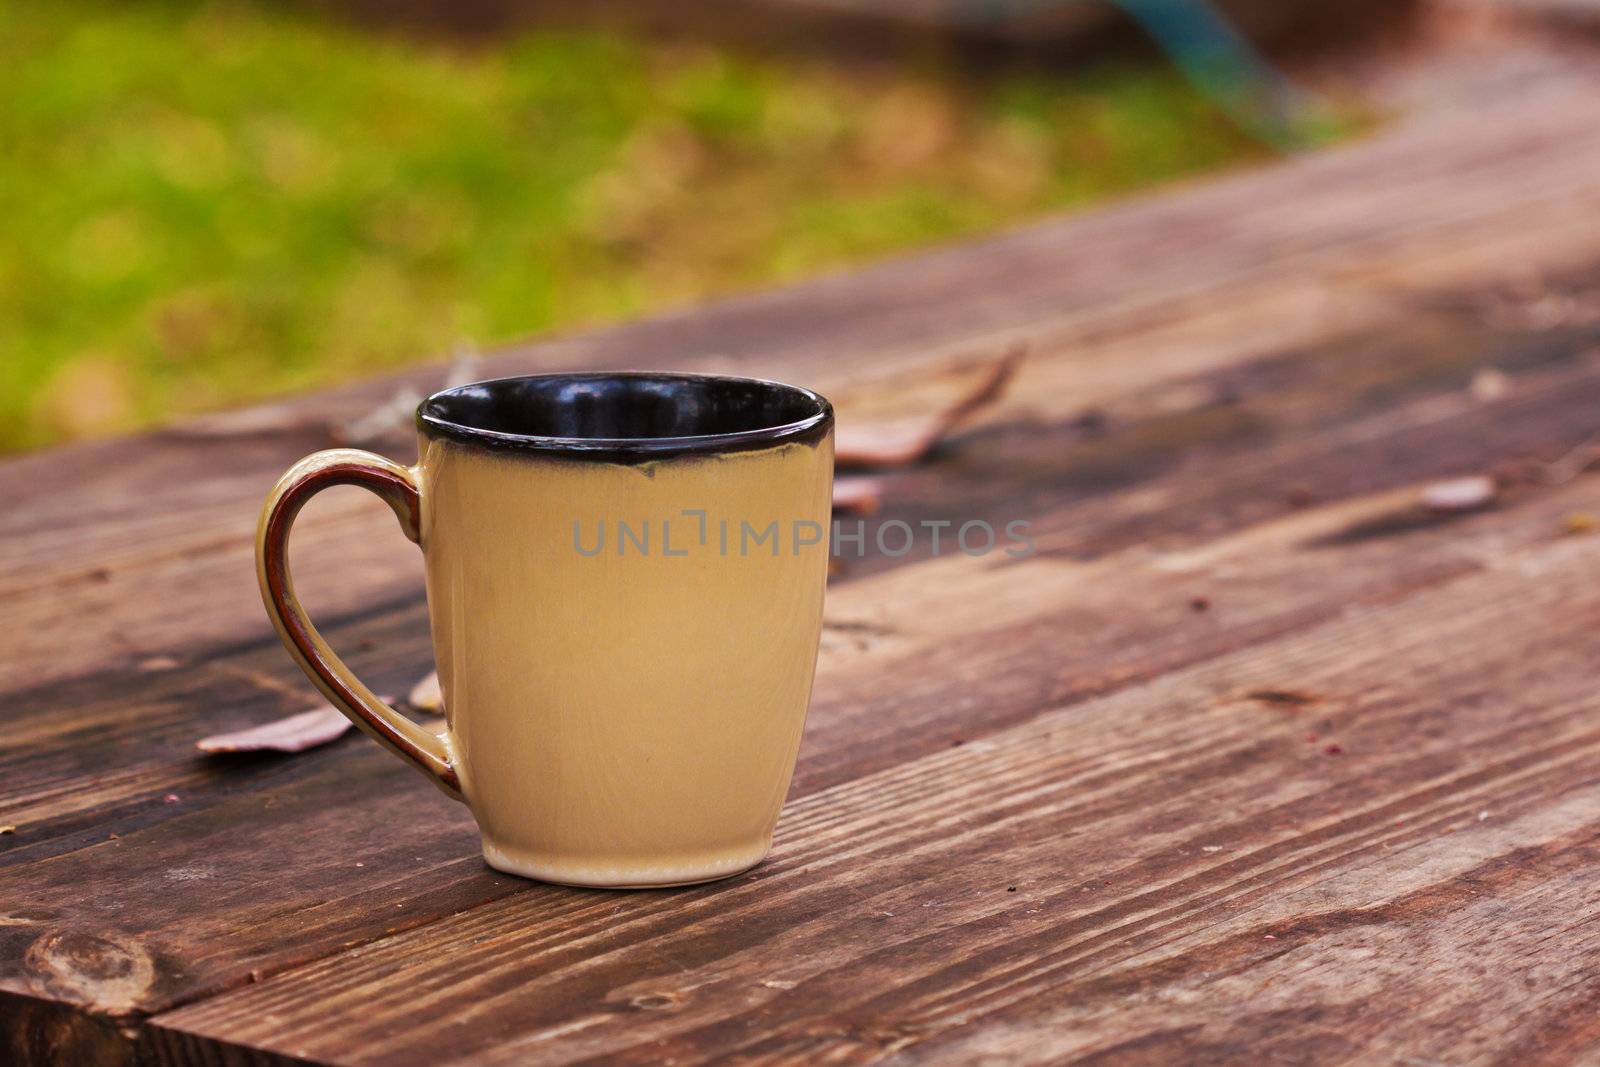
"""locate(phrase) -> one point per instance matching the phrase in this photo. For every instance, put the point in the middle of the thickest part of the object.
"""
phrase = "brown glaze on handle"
(397, 486)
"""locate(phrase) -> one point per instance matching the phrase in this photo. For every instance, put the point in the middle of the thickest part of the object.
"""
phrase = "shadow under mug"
(625, 576)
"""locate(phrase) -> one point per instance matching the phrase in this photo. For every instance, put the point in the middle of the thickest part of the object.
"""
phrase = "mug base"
(622, 876)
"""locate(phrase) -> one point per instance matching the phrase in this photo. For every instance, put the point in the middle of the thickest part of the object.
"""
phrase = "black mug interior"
(633, 413)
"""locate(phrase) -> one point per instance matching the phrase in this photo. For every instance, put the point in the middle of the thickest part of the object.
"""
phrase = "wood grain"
(146, 550)
(887, 917)
(1232, 398)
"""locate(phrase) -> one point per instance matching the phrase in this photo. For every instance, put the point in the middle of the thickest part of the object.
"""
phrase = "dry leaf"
(426, 694)
(1459, 494)
(1489, 384)
(7, 830)
(464, 369)
(1581, 522)
(386, 418)
(1573, 463)
(905, 441)
(264, 419)
(396, 413)
(858, 494)
(293, 734)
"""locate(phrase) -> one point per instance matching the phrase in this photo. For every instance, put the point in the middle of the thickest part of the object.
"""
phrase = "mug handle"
(397, 486)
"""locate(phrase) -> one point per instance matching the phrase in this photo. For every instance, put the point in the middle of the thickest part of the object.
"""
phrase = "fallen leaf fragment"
(1459, 494)
(858, 494)
(904, 442)
(396, 413)
(248, 422)
(1489, 384)
(464, 368)
(426, 694)
(386, 418)
(1573, 463)
(296, 733)
(4, 830)
(1581, 522)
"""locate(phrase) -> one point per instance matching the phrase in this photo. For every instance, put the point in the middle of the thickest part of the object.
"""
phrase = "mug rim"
(808, 430)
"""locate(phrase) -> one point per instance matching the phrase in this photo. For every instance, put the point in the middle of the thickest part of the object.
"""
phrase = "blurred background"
(212, 201)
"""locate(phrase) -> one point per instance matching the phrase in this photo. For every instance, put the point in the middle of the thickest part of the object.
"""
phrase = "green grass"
(206, 203)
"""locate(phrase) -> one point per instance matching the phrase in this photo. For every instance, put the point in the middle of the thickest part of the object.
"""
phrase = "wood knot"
(654, 1001)
(108, 971)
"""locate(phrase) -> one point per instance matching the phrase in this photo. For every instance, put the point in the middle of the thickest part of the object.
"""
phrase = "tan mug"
(625, 576)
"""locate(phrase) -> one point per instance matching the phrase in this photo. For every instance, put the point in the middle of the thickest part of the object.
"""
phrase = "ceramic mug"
(625, 576)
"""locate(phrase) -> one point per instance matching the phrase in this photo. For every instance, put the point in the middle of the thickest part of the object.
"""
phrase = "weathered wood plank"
(1160, 839)
(1329, 336)
(184, 878)
(146, 549)
(1275, 401)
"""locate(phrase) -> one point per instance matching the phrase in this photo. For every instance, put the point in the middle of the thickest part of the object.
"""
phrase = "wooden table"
(1255, 759)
